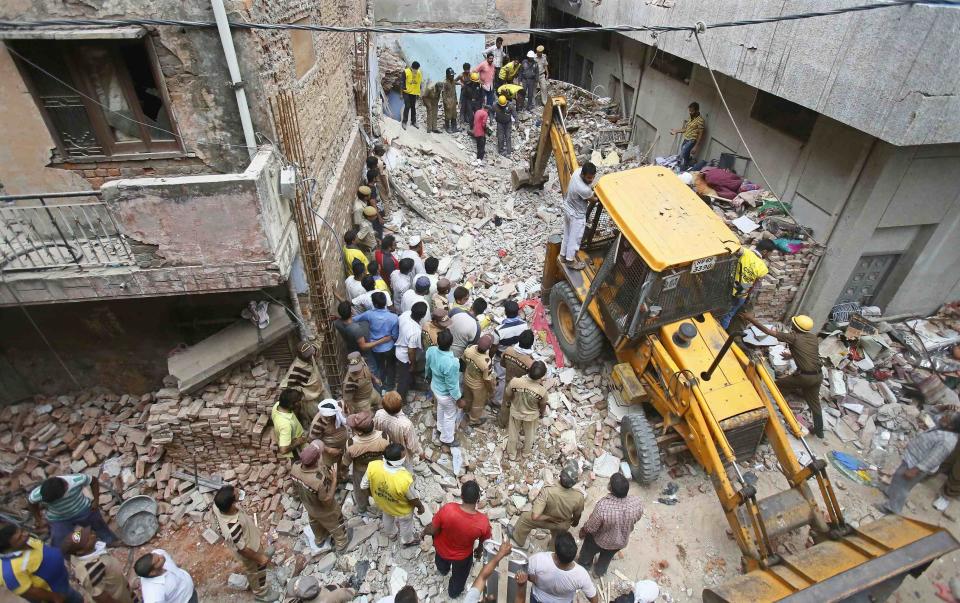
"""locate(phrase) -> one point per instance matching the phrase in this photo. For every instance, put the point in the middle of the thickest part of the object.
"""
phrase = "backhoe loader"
(659, 265)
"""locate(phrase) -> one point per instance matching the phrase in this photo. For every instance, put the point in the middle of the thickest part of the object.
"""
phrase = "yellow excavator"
(659, 264)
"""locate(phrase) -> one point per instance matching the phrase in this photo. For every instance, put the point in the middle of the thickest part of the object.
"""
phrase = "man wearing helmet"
(505, 115)
(805, 351)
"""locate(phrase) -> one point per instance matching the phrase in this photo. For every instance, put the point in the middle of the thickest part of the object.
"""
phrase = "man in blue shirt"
(382, 323)
(443, 371)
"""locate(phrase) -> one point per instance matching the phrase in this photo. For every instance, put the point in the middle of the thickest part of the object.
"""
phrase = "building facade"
(852, 118)
(138, 218)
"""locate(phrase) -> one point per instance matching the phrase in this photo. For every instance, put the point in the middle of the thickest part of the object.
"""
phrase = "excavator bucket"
(866, 565)
(520, 178)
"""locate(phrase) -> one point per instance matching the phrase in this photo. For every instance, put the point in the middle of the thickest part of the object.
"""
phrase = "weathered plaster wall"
(892, 73)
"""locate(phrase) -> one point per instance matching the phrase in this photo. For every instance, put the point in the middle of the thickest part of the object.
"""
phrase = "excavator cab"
(659, 264)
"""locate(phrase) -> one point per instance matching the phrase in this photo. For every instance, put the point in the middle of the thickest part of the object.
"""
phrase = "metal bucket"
(137, 520)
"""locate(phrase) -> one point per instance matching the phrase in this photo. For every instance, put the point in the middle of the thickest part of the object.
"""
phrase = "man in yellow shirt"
(412, 78)
(286, 426)
(394, 492)
(692, 135)
(746, 278)
(509, 71)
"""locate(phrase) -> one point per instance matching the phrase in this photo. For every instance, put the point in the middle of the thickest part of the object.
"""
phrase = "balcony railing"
(59, 230)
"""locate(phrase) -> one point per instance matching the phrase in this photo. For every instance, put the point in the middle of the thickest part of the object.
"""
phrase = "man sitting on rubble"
(922, 458)
(315, 487)
(557, 509)
(805, 351)
(243, 538)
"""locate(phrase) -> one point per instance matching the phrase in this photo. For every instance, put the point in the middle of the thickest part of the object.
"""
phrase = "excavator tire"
(581, 343)
(640, 448)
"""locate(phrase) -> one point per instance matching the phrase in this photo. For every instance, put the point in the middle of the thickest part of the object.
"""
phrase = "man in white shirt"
(364, 302)
(407, 594)
(415, 253)
(408, 346)
(498, 53)
(161, 581)
(354, 282)
(401, 279)
(421, 288)
(575, 203)
(556, 577)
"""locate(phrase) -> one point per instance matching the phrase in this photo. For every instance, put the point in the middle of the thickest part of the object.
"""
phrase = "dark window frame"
(784, 116)
(112, 149)
(673, 66)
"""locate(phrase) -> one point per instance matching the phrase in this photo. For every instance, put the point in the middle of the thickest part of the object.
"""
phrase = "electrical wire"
(723, 100)
(655, 29)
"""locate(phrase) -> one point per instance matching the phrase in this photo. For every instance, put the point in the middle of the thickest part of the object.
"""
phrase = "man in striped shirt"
(692, 135)
(922, 458)
(67, 506)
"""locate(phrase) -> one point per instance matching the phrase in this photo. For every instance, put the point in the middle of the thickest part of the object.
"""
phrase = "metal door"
(867, 278)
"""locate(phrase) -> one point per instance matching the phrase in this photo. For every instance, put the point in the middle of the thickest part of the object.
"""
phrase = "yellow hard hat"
(802, 322)
(474, 77)
(539, 48)
(502, 100)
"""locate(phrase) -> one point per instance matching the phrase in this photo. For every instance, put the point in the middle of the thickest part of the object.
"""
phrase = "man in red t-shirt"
(455, 528)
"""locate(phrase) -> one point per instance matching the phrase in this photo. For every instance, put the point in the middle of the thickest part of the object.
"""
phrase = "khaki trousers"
(402, 525)
(476, 397)
(256, 576)
(361, 499)
(525, 523)
(529, 428)
(328, 522)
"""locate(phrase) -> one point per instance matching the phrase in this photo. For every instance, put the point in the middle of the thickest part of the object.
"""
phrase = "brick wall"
(98, 173)
(780, 286)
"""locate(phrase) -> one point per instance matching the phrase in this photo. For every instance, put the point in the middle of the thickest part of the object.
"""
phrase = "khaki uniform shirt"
(525, 396)
(304, 375)
(238, 531)
(312, 487)
(358, 391)
(515, 363)
(805, 349)
(560, 504)
(358, 206)
(479, 369)
(363, 449)
(439, 301)
(332, 436)
(428, 335)
(99, 574)
(366, 237)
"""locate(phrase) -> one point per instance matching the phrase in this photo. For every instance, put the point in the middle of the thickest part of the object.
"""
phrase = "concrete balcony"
(148, 237)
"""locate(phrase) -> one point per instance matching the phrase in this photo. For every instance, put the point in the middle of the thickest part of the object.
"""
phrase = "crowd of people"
(492, 93)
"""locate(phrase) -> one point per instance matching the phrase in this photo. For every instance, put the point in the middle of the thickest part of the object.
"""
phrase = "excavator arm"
(553, 139)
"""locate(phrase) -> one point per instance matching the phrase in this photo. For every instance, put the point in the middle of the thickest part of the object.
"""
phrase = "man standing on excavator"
(575, 203)
(805, 351)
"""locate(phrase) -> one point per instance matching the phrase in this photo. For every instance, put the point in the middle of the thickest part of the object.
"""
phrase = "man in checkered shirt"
(608, 529)
(923, 457)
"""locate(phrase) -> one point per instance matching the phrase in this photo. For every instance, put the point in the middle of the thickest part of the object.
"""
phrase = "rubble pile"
(176, 449)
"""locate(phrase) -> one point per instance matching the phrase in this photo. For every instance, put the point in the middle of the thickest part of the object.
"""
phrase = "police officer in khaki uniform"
(805, 349)
(242, 536)
(438, 322)
(330, 426)
(360, 203)
(478, 378)
(527, 398)
(366, 235)
(315, 488)
(365, 446)
(359, 394)
(100, 574)
(557, 509)
(305, 376)
(516, 361)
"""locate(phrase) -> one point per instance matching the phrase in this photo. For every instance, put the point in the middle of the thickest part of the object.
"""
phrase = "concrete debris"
(238, 582)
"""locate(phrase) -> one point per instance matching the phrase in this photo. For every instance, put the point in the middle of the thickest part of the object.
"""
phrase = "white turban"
(330, 408)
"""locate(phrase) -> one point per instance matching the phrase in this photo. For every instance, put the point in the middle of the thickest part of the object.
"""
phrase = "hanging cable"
(736, 127)
(474, 30)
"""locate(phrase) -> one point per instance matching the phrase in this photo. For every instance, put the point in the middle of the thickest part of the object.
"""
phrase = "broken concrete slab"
(200, 364)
